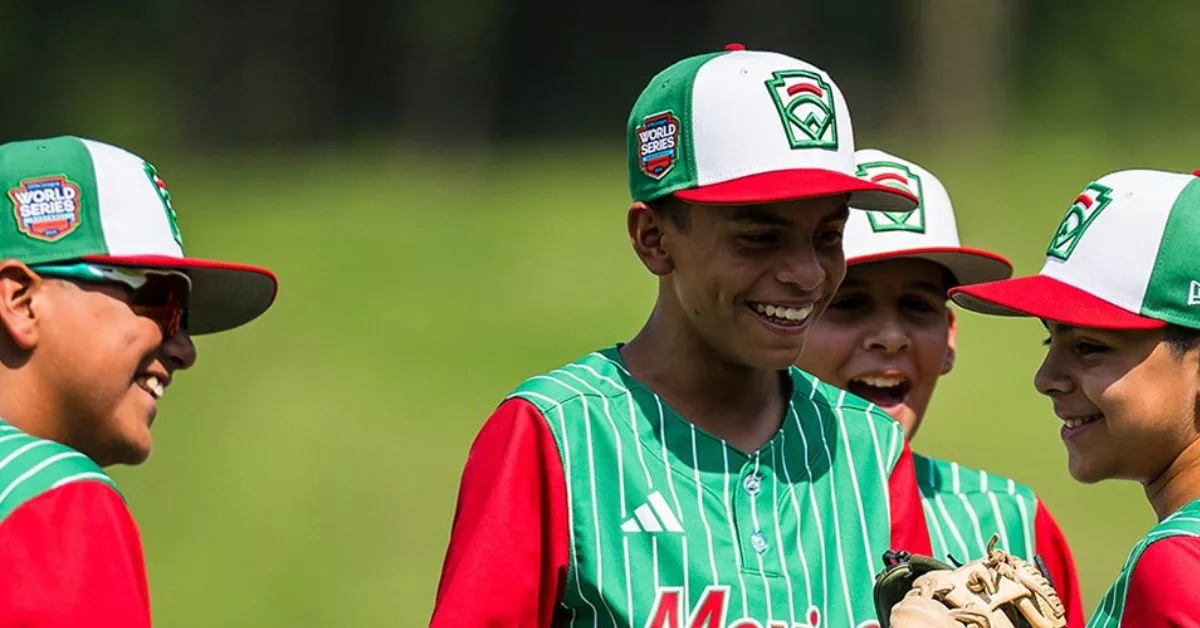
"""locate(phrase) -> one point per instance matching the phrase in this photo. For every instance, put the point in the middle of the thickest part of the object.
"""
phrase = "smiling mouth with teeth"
(882, 390)
(1077, 422)
(152, 385)
(783, 316)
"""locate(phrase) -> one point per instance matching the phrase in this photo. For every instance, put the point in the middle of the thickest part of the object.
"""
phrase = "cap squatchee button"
(735, 46)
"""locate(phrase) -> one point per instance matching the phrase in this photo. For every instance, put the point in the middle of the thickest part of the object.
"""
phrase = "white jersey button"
(759, 542)
(752, 483)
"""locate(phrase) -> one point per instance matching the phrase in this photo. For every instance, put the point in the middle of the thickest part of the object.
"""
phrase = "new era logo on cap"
(1194, 293)
(747, 127)
(1122, 257)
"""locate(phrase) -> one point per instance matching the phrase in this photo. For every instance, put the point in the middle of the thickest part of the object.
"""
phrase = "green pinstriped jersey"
(30, 466)
(671, 527)
(965, 506)
(1184, 522)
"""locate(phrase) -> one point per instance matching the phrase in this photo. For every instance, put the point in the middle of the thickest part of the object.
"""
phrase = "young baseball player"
(692, 478)
(97, 306)
(1118, 296)
(888, 336)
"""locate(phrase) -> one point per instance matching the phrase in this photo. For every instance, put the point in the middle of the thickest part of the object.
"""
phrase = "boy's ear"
(18, 287)
(647, 229)
(951, 338)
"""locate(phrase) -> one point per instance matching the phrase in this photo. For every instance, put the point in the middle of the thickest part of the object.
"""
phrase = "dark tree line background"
(258, 73)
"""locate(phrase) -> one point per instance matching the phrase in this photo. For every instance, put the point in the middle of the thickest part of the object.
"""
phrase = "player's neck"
(1178, 485)
(25, 404)
(742, 405)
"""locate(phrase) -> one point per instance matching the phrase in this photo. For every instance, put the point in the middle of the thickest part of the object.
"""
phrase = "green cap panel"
(659, 141)
(1173, 292)
(50, 206)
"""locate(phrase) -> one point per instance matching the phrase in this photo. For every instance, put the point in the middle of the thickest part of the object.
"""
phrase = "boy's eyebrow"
(919, 284)
(840, 214)
(925, 285)
(760, 217)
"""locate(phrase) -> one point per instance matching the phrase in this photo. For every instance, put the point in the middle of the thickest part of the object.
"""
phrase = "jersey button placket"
(754, 533)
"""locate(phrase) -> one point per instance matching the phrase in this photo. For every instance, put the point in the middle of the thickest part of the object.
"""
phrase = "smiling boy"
(1119, 295)
(888, 336)
(692, 476)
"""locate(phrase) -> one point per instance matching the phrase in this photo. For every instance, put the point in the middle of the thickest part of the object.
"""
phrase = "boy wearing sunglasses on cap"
(1119, 295)
(888, 336)
(97, 309)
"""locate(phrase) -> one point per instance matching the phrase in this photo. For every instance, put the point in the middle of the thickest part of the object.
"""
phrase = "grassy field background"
(305, 471)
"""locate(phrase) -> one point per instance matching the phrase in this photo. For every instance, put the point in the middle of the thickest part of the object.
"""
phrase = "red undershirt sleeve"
(1162, 593)
(506, 563)
(1052, 547)
(72, 556)
(910, 532)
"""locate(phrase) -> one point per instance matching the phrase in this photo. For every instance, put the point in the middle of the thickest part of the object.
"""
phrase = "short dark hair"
(1181, 339)
(674, 209)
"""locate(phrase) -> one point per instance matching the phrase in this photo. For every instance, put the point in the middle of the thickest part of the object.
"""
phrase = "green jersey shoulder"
(1185, 522)
(965, 507)
(30, 466)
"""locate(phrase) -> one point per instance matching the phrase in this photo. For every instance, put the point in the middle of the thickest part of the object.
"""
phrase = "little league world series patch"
(46, 208)
(900, 177)
(658, 144)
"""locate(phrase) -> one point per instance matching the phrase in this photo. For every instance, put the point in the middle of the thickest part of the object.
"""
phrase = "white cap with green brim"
(742, 127)
(74, 199)
(928, 232)
(1123, 257)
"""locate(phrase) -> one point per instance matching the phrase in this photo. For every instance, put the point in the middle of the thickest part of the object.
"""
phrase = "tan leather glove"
(999, 591)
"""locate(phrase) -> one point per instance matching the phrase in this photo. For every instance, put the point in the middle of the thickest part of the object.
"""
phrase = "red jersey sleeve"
(506, 564)
(910, 532)
(1051, 545)
(1162, 593)
(72, 556)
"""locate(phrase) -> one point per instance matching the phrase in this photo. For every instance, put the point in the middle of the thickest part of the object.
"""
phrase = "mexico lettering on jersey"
(1183, 523)
(30, 466)
(965, 506)
(671, 527)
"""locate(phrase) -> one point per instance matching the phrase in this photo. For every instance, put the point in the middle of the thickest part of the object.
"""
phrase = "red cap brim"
(1049, 299)
(791, 185)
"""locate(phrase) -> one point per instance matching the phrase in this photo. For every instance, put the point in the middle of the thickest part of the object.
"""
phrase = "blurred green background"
(423, 176)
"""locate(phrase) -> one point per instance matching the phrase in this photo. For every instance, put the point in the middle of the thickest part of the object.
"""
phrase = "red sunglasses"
(158, 294)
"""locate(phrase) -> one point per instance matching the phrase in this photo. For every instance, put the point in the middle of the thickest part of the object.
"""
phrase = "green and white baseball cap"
(741, 127)
(1123, 257)
(930, 231)
(73, 199)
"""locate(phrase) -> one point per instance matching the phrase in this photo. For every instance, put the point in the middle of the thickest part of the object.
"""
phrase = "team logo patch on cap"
(658, 141)
(46, 208)
(1087, 206)
(804, 100)
(164, 195)
(901, 177)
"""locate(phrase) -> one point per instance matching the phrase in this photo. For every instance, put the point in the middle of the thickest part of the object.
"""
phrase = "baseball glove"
(998, 591)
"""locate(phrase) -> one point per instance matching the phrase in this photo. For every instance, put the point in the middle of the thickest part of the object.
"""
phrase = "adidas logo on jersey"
(653, 516)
